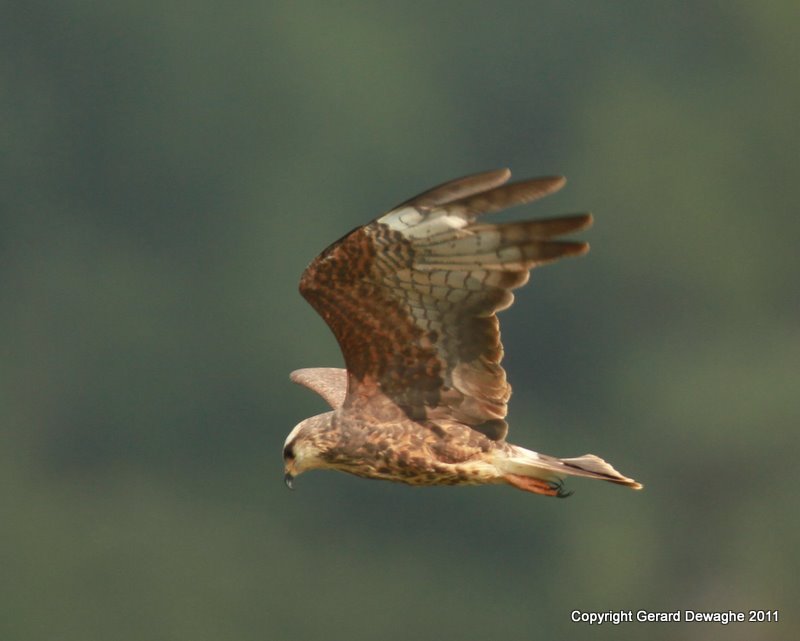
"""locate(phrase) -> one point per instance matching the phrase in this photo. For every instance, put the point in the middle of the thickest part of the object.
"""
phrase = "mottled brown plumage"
(412, 299)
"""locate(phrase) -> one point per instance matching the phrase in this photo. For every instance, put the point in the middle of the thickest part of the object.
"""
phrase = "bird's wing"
(329, 382)
(412, 296)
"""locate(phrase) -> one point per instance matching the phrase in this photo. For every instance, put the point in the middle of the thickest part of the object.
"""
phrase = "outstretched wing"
(412, 296)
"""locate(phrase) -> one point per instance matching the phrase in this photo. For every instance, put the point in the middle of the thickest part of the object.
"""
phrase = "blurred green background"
(168, 170)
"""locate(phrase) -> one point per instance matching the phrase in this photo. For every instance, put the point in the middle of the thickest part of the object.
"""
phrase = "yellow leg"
(538, 486)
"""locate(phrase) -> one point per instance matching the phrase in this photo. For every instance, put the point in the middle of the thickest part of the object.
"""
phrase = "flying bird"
(412, 299)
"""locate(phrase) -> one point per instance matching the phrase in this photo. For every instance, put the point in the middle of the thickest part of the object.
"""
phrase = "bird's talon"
(558, 487)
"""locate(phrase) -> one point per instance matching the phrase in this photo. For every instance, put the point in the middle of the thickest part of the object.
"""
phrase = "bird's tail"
(544, 474)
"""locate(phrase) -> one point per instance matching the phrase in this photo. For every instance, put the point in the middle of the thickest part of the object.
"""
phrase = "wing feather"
(412, 297)
(458, 188)
(329, 382)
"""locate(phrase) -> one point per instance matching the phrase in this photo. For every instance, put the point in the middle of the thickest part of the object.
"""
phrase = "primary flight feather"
(412, 299)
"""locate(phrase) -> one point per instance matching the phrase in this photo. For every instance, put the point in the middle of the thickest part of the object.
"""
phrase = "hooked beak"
(288, 478)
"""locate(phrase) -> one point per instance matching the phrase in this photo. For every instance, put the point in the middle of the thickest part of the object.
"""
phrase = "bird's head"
(304, 446)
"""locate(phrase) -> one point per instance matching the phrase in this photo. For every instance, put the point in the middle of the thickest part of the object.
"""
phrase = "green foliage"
(169, 169)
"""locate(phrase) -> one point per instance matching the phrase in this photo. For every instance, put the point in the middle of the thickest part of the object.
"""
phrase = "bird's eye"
(288, 452)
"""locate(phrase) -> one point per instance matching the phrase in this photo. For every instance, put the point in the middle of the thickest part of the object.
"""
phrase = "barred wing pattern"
(412, 297)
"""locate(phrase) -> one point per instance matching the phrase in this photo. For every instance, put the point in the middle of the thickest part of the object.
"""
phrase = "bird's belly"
(426, 472)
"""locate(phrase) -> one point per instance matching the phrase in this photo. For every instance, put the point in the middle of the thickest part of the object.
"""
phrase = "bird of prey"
(412, 299)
